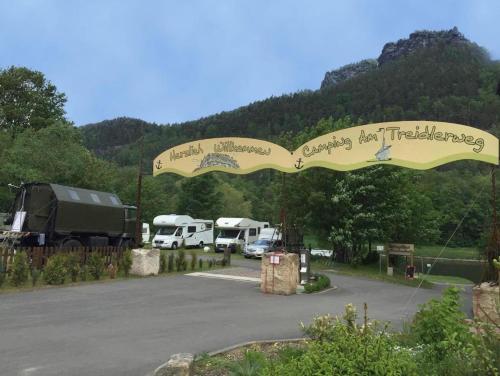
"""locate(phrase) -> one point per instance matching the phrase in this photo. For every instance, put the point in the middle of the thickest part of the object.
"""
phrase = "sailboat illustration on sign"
(383, 154)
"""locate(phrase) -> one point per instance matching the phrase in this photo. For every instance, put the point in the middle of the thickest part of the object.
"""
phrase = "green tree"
(198, 197)
(28, 100)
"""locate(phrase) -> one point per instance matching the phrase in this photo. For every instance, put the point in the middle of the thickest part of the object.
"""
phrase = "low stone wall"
(145, 262)
(486, 303)
(279, 278)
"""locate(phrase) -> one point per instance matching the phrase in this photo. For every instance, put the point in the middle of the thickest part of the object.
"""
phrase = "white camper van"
(237, 231)
(177, 230)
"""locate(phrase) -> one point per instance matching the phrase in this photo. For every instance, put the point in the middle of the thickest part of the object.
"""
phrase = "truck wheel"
(174, 245)
(71, 243)
(201, 245)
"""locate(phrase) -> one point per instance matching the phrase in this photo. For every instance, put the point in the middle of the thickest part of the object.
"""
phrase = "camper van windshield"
(166, 230)
(229, 234)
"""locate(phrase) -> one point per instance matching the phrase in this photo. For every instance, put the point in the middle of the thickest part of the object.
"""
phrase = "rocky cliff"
(393, 51)
(417, 40)
(347, 72)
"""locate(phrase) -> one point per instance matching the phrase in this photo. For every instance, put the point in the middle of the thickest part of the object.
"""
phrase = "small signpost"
(305, 267)
(397, 249)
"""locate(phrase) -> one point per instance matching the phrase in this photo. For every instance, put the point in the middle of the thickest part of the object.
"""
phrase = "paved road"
(130, 327)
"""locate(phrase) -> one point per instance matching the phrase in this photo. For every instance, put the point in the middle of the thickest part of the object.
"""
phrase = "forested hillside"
(450, 79)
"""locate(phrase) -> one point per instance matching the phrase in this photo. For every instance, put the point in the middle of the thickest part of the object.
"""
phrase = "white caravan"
(237, 231)
(270, 233)
(181, 230)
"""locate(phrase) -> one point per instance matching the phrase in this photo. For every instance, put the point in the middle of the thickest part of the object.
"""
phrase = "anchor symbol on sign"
(158, 164)
(299, 164)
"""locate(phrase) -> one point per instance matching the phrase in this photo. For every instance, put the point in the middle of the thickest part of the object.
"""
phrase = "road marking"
(29, 371)
(225, 276)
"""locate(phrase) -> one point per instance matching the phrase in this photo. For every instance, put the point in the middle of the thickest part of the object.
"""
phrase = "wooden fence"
(38, 256)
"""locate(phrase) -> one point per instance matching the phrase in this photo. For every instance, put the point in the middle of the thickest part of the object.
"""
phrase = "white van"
(146, 233)
(237, 231)
(181, 230)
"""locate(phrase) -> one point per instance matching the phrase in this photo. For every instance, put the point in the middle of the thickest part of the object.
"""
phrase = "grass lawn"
(371, 271)
(447, 279)
(469, 253)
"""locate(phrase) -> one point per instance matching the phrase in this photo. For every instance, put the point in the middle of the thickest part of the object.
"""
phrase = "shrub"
(20, 269)
(55, 270)
(194, 260)
(341, 348)
(84, 273)
(200, 263)
(210, 263)
(170, 264)
(163, 263)
(252, 364)
(73, 266)
(180, 261)
(3, 273)
(35, 276)
(447, 344)
(95, 265)
(322, 282)
(126, 263)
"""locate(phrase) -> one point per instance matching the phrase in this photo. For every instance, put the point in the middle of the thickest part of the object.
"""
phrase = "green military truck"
(61, 216)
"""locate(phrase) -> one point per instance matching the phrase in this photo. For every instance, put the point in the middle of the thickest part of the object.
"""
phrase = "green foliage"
(252, 364)
(322, 282)
(180, 261)
(96, 265)
(340, 347)
(447, 345)
(3, 277)
(170, 265)
(35, 276)
(197, 205)
(55, 271)
(84, 273)
(126, 262)
(194, 260)
(20, 269)
(73, 266)
(163, 263)
(200, 263)
(28, 100)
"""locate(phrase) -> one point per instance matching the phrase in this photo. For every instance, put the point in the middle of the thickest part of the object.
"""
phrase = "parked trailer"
(237, 231)
(181, 230)
(61, 216)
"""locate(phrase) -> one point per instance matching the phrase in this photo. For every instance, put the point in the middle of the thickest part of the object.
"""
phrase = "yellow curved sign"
(413, 144)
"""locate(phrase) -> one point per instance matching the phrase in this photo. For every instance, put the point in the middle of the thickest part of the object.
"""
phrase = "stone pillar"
(279, 273)
(145, 262)
(485, 303)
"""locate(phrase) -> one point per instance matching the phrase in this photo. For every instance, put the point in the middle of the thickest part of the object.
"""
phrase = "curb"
(232, 347)
(259, 342)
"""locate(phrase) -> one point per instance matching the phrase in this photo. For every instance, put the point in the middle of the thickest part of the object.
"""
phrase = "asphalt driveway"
(131, 327)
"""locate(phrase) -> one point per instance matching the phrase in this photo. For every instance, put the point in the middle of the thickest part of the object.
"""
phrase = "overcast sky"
(171, 61)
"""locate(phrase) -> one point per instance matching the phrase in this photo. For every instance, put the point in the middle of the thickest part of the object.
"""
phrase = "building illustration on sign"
(217, 160)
